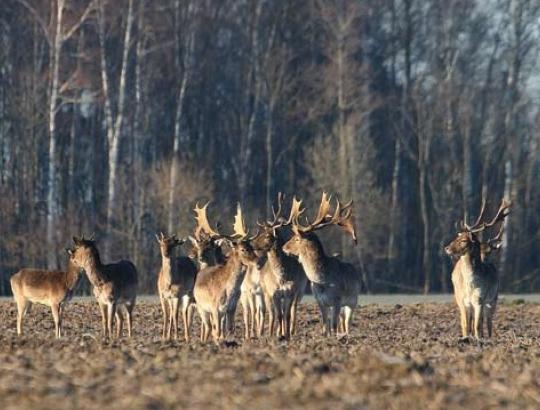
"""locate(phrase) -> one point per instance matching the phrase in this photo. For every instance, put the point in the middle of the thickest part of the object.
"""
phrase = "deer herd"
(267, 272)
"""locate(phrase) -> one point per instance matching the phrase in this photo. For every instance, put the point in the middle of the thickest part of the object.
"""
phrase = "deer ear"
(497, 245)
(69, 251)
(224, 241)
(76, 240)
(179, 241)
(192, 240)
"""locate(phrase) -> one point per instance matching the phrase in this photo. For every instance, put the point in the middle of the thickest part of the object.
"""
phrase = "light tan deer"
(204, 247)
(335, 284)
(114, 285)
(175, 285)
(282, 278)
(217, 288)
(476, 283)
(49, 288)
(252, 301)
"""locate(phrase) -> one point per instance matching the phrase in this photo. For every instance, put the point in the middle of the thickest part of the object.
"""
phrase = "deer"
(204, 248)
(252, 301)
(175, 285)
(114, 285)
(49, 288)
(476, 282)
(217, 288)
(282, 278)
(335, 284)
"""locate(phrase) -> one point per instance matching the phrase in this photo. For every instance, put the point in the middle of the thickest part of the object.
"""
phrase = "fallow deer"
(476, 283)
(217, 288)
(335, 284)
(282, 278)
(49, 288)
(114, 285)
(175, 285)
(252, 301)
(204, 247)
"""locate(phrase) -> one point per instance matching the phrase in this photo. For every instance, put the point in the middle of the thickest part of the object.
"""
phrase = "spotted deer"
(335, 284)
(175, 286)
(114, 285)
(217, 288)
(282, 278)
(49, 288)
(476, 283)
(204, 249)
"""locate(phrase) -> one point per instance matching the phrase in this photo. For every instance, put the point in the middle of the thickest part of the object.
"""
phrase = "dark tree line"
(116, 117)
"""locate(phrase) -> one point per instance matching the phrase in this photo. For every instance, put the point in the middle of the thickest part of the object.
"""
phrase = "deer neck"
(235, 270)
(471, 262)
(167, 268)
(94, 272)
(313, 260)
(275, 261)
(72, 276)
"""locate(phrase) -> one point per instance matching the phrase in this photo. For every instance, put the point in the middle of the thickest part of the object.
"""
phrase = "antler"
(503, 212)
(277, 214)
(296, 211)
(464, 224)
(202, 222)
(239, 226)
(342, 216)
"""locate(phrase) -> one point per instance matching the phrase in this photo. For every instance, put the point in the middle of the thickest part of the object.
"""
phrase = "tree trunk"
(52, 195)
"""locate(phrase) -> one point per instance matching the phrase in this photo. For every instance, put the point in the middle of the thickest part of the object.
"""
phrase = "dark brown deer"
(335, 284)
(217, 288)
(49, 288)
(476, 283)
(282, 278)
(114, 285)
(175, 285)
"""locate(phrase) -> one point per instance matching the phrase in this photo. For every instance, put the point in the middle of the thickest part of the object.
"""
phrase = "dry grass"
(398, 357)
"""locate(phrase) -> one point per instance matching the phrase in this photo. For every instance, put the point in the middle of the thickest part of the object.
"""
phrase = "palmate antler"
(239, 226)
(203, 226)
(342, 216)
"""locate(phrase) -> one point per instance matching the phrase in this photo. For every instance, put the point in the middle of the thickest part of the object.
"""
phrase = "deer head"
(239, 241)
(268, 237)
(168, 243)
(467, 240)
(302, 234)
(84, 252)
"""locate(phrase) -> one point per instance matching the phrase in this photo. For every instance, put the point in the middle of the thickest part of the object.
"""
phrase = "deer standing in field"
(282, 278)
(175, 285)
(217, 288)
(335, 284)
(49, 288)
(114, 285)
(204, 247)
(476, 283)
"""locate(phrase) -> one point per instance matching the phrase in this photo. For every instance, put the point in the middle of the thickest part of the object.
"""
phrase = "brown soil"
(397, 357)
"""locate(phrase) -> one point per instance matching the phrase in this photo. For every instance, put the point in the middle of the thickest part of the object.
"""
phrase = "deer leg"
(164, 308)
(347, 317)
(477, 320)
(324, 317)
(245, 314)
(111, 312)
(489, 319)
(55, 309)
(119, 322)
(271, 319)
(252, 314)
(261, 312)
(103, 310)
(287, 306)
(278, 313)
(22, 308)
(191, 309)
(129, 317)
(335, 317)
(185, 316)
(464, 314)
(294, 306)
(174, 315)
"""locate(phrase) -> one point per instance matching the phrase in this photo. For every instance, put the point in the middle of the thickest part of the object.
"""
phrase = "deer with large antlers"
(335, 284)
(476, 283)
(282, 278)
(217, 288)
(114, 285)
(49, 288)
(175, 285)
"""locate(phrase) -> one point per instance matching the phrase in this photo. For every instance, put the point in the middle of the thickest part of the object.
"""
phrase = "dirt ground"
(397, 357)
